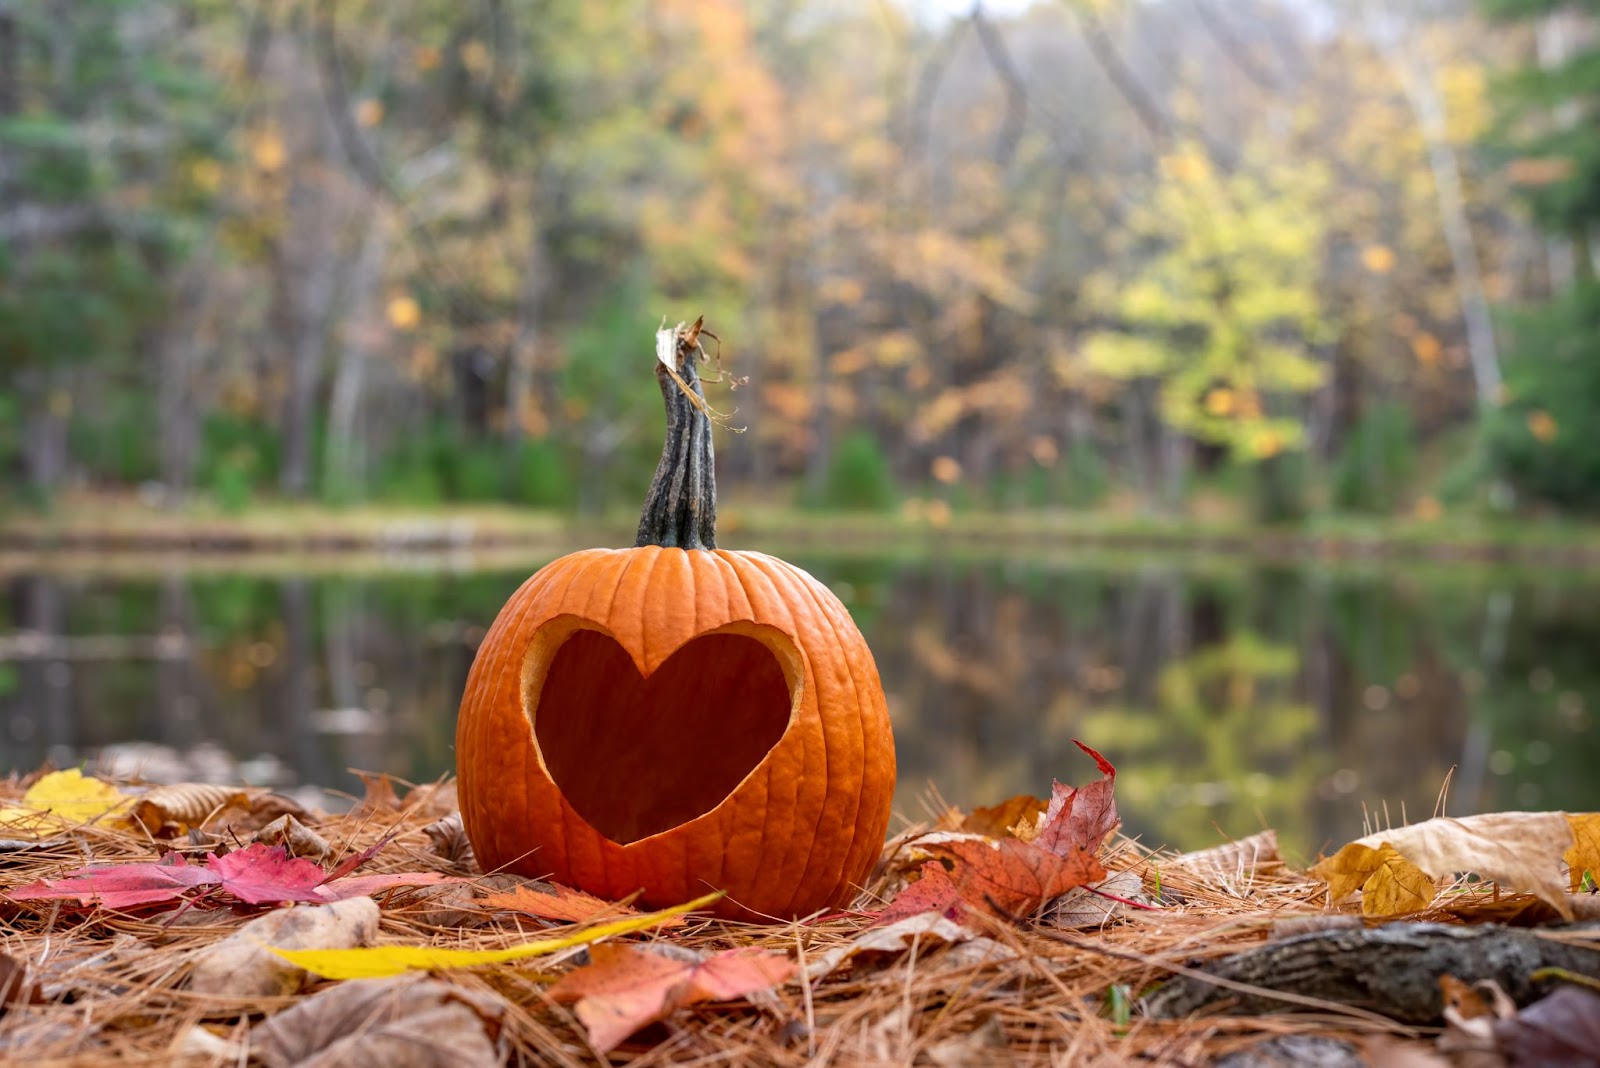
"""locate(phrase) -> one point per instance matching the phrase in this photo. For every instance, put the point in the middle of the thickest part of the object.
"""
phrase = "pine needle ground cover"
(201, 924)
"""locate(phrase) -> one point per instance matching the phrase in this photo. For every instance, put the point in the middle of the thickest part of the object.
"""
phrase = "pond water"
(1231, 696)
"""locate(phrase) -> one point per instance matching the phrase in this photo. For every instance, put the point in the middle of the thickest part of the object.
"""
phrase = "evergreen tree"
(99, 115)
(1541, 438)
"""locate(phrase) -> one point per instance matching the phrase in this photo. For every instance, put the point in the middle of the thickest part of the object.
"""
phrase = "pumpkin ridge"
(783, 583)
(793, 582)
(809, 584)
(772, 604)
(719, 560)
(491, 688)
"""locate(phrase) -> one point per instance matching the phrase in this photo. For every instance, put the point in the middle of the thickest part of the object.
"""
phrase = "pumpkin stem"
(680, 511)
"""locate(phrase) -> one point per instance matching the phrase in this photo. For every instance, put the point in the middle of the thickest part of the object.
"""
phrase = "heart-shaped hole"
(638, 755)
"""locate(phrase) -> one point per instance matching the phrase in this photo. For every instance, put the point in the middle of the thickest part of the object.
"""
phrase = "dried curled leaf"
(409, 1022)
(165, 811)
(1518, 850)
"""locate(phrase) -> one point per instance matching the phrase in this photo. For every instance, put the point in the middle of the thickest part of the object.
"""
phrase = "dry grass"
(114, 984)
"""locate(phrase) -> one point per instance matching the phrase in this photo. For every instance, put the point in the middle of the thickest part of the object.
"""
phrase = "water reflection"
(1231, 697)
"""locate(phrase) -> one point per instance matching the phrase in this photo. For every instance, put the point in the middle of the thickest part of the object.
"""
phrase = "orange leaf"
(626, 987)
(1398, 886)
(997, 821)
(1584, 856)
(1010, 878)
(565, 904)
(934, 892)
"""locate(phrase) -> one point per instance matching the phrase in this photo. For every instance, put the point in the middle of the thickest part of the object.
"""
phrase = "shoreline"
(467, 536)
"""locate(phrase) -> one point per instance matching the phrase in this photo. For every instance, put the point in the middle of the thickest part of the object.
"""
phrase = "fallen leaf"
(295, 837)
(449, 838)
(1461, 998)
(562, 903)
(260, 874)
(15, 986)
(240, 965)
(987, 1044)
(1009, 878)
(257, 874)
(165, 811)
(380, 797)
(1017, 817)
(1519, 850)
(406, 1022)
(365, 885)
(1232, 860)
(1087, 906)
(626, 987)
(1558, 1031)
(1397, 888)
(1080, 819)
(67, 796)
(926, 929)
(383, 961)
(934, 892)
(1584, 856)
(120, 886)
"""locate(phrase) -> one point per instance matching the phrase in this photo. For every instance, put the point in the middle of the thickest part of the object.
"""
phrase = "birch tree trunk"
(1411, 69)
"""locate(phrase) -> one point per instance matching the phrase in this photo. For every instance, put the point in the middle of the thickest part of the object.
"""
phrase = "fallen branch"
(1393, 969)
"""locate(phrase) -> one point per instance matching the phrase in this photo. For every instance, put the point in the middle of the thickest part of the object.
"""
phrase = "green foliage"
(1280, 488)
(1566, 196)
(1224, 312)
(858, 476)
(113, 438)
(1374, 470)
(238, 456)
(543, 476)
(1542, 440)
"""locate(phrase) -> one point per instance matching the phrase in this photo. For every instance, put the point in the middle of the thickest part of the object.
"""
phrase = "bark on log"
(1393, 970)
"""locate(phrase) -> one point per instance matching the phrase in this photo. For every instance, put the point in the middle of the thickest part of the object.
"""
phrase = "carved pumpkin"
(675, 718)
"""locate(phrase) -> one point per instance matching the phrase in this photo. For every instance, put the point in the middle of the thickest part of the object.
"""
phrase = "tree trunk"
(524, 353)
(1404, 56)
(344, 460)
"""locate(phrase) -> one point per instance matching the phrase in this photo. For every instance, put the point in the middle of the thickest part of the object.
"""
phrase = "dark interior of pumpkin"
(637, 756)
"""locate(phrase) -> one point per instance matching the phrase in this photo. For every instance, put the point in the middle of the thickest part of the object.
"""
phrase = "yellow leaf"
(1397, 887)
(268, 152)
(404, 313)
(380, 962)
(1427, 349)
(1379, 259)
(1519, 850)
(369, 112)
(1347, 870)
(1584, 856)
(1542, 425)
(1219, 402)
(947, 469)
(1428, 509)
(426, 57)
(67, 795)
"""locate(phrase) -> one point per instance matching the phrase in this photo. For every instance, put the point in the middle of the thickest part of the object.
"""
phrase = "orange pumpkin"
(675, 718)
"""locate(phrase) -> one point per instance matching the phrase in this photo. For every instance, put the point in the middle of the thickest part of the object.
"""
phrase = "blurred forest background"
(1275, 257)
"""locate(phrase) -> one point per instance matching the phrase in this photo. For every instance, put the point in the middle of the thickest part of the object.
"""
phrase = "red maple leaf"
(121, 886)
(1079, 819)
(934, 892)
(261, 873)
